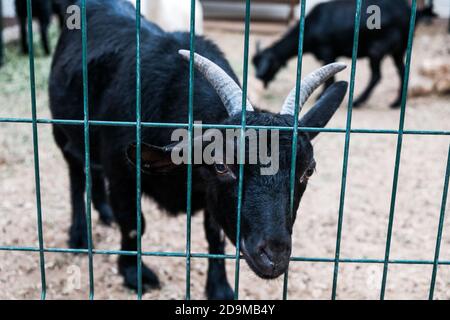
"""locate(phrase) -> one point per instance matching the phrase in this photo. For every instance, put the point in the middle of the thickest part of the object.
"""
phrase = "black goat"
(42, 11)
(266, 219)
(329, 30)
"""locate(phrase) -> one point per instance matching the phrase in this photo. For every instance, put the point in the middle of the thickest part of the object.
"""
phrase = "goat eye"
(221, 168)
(309, 173)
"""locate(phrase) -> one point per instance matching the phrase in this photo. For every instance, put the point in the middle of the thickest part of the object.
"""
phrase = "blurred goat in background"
(329, 30)
(42, 10)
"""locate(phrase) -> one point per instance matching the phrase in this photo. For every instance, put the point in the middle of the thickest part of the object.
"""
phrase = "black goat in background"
(42, 10)
(329, 30)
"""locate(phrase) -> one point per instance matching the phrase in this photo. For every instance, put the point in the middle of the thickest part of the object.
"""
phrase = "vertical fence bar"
(36, 149)
(440, 228)
(138, 149)
(399, 148)
(87, 155)
(2, 47)
(346, 147)
(295, 132)
(190, 139)
(242, 149)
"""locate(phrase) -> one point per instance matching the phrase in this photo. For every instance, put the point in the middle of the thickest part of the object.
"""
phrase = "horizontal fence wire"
(218, 256)
(90, 252)
(221, 126)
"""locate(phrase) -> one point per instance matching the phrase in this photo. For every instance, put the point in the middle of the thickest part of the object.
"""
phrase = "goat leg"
(123, 202)
(100, 197)
(78, 229)
(217, 286)
(23, 35)
(400, 64)
(44, 37)
(375, 65)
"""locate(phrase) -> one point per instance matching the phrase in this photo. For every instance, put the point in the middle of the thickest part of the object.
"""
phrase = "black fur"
(329, 30)
(266, 219)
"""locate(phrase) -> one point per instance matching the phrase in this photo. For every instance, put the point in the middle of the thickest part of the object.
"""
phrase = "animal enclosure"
(188, 256)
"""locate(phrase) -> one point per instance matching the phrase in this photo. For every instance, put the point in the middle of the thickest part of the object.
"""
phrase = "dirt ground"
(366, 211)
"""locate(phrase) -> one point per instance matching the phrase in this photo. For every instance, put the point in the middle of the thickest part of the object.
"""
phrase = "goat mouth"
(264, 274)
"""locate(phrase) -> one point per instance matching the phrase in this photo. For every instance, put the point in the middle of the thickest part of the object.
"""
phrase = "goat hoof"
(395, 105)
(220, 292)
(78, 239)
(357, 104)
(106, 214)
(149, 278)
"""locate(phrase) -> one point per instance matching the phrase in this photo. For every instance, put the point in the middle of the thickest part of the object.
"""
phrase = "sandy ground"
(366, 210)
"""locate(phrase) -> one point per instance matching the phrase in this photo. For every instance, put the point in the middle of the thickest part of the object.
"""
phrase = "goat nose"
(274, 252)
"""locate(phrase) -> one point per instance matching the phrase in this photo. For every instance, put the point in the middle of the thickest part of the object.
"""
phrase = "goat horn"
(228, 90)
(309, 85)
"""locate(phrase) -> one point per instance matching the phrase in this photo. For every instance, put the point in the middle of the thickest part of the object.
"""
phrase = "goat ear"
(154, 160)
(324, 109)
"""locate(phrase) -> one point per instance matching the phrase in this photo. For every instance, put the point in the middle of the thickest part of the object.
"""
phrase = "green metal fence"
(188, 255)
